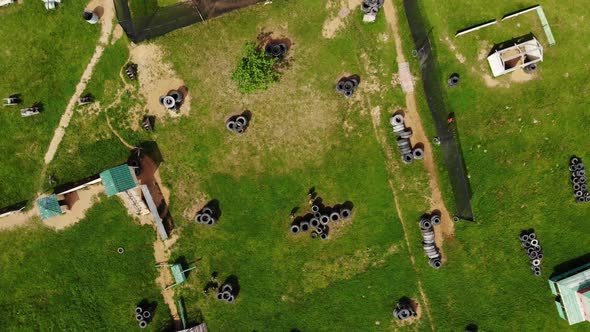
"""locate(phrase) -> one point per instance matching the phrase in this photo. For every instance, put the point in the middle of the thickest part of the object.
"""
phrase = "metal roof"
(118, 179)
(48, 207)
(178, 273)
(569, 289)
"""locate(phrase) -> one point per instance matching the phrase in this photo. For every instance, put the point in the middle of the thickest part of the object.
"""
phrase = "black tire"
(268, 49)
(355, 82)
(323, 236)
(198, 218)
(143, 324)
(456, 219)
(407, 158)
(314, 234)
(536, 262)
(231, 299)
(534, 242)
(120, 250)
(277, 51)
(533, 255)
(397, 119)
(314, 222)
(340, 86)
(239, 130)
(530, 68)
(146, 315)
(241, 120)
(574, 160)
(315, 208)
(572, 168)
(169, 102)
(283, 48)
(527, 243)
(345, 213)
(230, 125)
(219, 296)
(348, 86)
(584, 187)
(418, 153)
(317, 214)
(348, 94)
(577, 186)
(435, 219)
(582, 179)
(578, 193)
(205, 218)
(227, 288)
(406, 133)
(523, 237)
(177, 95)
(579, 166)
(532, 235)
(226, 295)
(139, 317)
(324, 219)
(138, 310)
(162, 100)
(435, 263)
(425, 224)
(211, 222)
(304, 225)
(581, 172)
(334, 217)
(294, 229)
(453, 80)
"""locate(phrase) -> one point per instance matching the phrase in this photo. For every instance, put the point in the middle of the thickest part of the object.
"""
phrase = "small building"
(118, 179)
(51, 206)
(519, 55)
(572, 289)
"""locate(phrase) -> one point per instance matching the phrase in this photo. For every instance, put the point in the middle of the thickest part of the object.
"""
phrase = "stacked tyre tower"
(403, 141)
(172, 100)
(347, 85)
(403, 310)
(532, 248)
(427, 223)
(131, 71)
(207, 216)
(319, 220)
(579, 180)
(276, 50)
(237, 124)
(143, 316)
(226, 293)
(371, 7)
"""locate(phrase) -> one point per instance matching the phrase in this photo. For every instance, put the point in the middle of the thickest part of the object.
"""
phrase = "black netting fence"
(150, 20)
(447, 132)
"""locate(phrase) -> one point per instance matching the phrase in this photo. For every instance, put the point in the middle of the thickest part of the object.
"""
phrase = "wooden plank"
(154, 211)
(519, 12)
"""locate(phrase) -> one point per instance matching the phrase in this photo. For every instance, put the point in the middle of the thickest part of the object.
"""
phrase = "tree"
(255, 70)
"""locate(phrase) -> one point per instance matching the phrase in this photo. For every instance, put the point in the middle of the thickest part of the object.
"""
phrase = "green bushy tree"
(255, 70)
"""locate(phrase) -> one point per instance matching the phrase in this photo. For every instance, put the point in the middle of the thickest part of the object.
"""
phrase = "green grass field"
(74, 279)
(516, 138)
(43, 56)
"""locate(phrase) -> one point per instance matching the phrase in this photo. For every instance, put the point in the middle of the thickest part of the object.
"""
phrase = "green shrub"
(255, 70)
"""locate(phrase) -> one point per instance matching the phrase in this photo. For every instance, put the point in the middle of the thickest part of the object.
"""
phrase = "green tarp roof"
(118, 179)
(48, 207)
(572, 302)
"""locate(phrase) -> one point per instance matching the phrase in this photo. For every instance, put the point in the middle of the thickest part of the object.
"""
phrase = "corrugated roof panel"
(48, 207)
(118, 179)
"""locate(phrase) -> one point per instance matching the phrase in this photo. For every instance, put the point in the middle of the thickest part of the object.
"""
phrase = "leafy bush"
(255, 70)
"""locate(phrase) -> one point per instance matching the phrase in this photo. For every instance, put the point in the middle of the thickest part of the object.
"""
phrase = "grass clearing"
(43, 65)
(74, 279)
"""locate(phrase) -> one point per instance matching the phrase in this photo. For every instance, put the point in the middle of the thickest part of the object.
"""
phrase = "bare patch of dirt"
(521, 76)
(453, 48)
(333, 24)
(484, 50)
(191, 212)
(417, 308)
(156, 78)
(165, 279)
(117, 34)
(19, 219)
(87, 197)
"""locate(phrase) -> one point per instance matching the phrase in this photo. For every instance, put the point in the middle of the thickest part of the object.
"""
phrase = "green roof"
(118, 179)
(178, 274)
(49, 207)
(568, 288)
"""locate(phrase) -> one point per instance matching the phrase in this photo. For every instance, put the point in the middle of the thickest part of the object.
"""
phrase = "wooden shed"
(572, 289)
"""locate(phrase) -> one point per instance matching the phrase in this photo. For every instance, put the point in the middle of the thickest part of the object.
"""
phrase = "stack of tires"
(532, 248)
(578, 178)
(237, 124)
(426, 227)
(347, 86)
(226, 293)
(206, 216)
(403, 310)
(403, 141)
(371, 7)
(276, 50)
(143, 316)
(319, 219)
(172, 100)
(131, 71)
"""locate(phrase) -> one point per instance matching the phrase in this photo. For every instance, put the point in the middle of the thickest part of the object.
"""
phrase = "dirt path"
(86, 199)
(412, 119)
(106, 30)
(127, 145)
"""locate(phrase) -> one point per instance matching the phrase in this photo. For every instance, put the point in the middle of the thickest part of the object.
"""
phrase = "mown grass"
(74, 279)
(349, 282)
(43, 65)
(517, 141)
